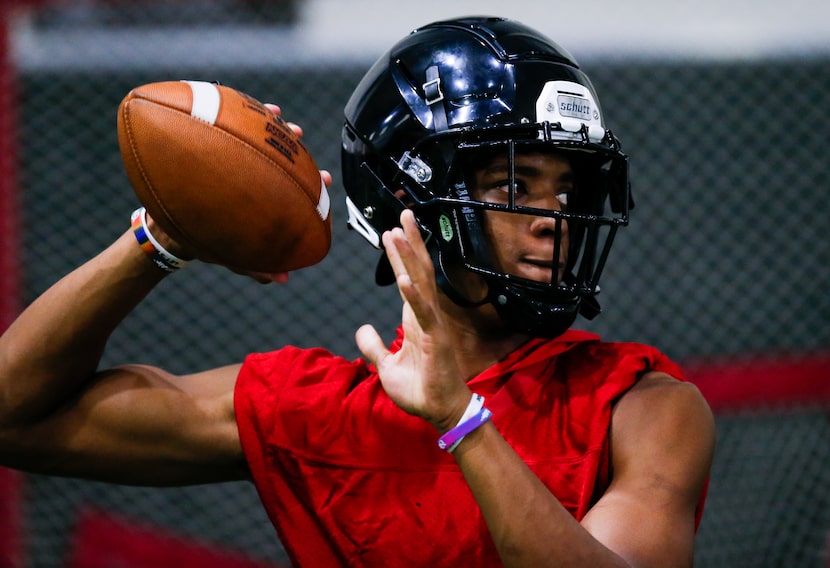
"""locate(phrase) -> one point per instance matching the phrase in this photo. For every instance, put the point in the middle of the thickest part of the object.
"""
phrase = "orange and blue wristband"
(159, 256)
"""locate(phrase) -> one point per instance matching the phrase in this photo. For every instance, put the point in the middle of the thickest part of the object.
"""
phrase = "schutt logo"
(575, 107)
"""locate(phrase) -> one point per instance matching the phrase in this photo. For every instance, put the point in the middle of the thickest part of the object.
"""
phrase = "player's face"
(523, 245)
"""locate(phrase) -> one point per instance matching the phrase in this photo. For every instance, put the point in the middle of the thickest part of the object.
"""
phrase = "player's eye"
(504, 186)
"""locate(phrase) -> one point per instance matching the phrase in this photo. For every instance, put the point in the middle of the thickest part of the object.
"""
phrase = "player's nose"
(549, 226)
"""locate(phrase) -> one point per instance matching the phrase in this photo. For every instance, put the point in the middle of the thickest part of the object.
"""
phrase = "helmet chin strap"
(518, 308)
(526, 314)
(445, 282)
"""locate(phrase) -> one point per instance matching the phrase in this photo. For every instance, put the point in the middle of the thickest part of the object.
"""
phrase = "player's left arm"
(662, 446)
(662, 443)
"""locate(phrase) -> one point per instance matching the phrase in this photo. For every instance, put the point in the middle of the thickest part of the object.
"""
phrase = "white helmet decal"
(570, 105)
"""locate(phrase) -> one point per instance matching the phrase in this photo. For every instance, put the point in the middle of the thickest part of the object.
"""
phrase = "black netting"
(727, 255)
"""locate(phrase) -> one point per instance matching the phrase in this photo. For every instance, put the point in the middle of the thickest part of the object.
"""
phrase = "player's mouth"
(540, 270)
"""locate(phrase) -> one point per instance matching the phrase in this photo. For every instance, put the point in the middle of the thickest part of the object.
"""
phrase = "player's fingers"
(396, 247)
(415, 283)
(416, 241)
(370, 344)
(414, 258)
(295, 128)
(391, 241)
(292, 125)
(326, 176)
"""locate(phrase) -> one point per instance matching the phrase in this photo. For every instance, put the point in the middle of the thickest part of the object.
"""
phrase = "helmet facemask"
(455, 222)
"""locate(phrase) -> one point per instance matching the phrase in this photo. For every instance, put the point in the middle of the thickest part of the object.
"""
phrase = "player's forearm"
(55, 345)
(529, 526)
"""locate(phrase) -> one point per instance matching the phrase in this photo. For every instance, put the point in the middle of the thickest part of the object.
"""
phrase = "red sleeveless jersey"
(349, 479)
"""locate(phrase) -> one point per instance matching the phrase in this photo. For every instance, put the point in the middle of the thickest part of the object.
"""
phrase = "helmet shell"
(474, 78)
(492, 71)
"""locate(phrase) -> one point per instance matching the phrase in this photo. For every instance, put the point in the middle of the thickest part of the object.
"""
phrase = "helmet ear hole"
(450, 270)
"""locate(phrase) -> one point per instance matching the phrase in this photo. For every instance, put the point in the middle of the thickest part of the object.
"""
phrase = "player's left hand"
(422, 378)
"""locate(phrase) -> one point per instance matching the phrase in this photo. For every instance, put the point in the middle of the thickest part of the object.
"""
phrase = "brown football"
(225, 176)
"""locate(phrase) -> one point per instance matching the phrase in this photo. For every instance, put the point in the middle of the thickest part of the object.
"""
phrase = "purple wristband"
(451, 438)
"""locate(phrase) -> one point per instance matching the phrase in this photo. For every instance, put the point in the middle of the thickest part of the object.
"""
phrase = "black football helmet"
(445, 98)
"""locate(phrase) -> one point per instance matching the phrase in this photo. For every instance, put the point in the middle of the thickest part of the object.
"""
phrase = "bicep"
(141, 425)
(662, 445)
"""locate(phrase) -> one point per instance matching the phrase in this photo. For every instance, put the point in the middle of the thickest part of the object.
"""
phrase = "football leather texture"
(224, 176)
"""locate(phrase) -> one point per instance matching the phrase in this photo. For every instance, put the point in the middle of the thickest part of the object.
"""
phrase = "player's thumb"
(370, 344)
